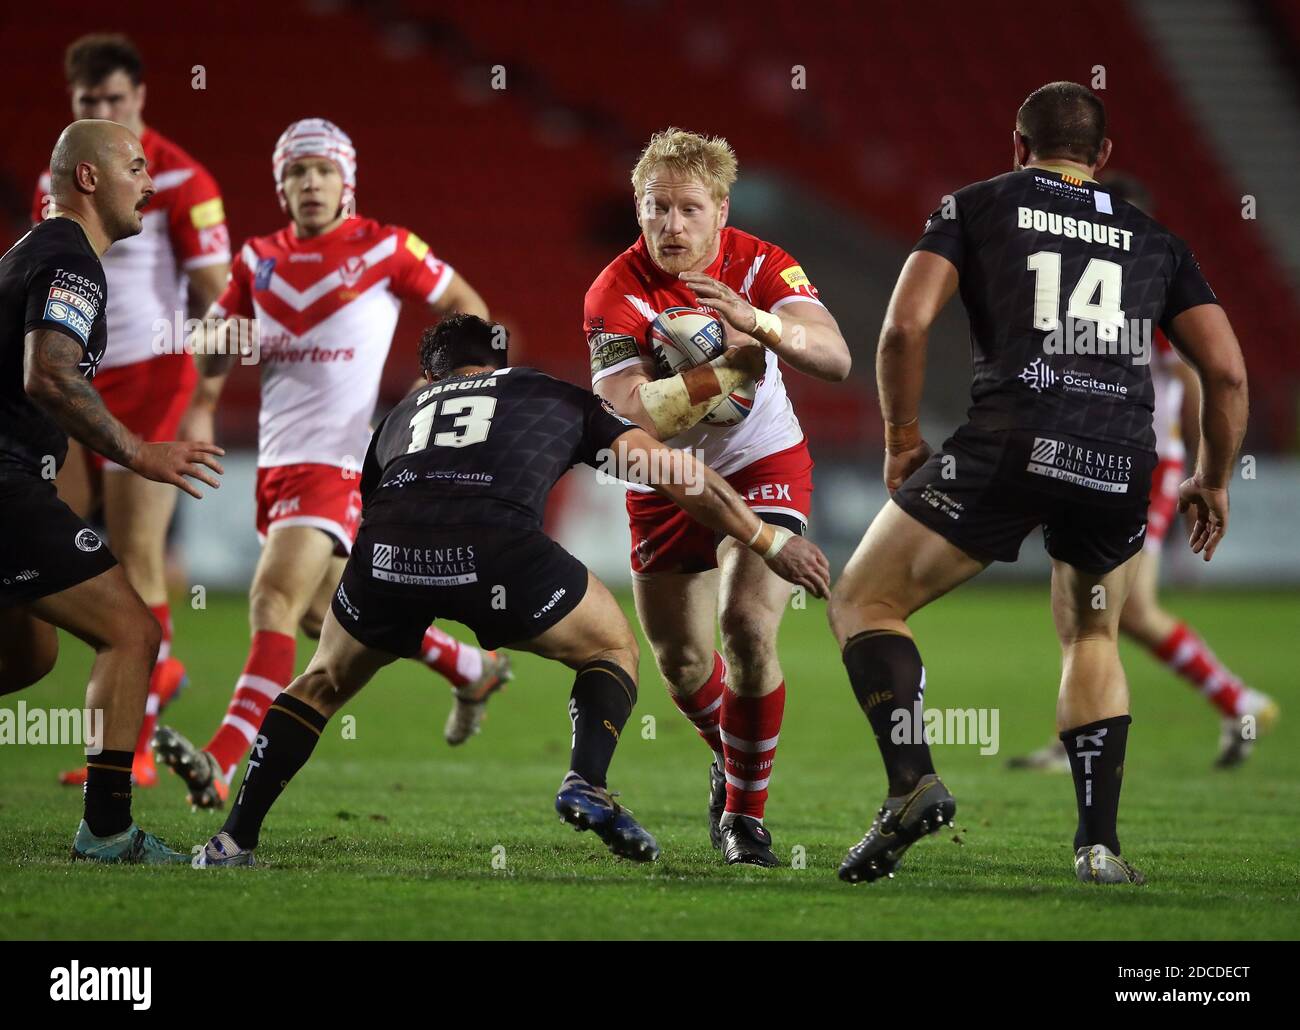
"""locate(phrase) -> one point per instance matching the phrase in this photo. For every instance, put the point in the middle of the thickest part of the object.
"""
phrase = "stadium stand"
(520, 188)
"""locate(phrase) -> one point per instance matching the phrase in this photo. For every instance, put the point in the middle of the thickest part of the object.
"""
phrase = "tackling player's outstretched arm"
(926, 283)
(707, 497)
(666, 407)
(52, 379)
(1205, 337)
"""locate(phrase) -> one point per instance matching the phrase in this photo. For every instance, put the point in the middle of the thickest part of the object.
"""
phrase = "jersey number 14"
(1095, 298)
(471, 425)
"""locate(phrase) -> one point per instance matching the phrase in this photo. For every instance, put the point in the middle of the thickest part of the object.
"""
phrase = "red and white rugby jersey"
(1168, 417)
(326, 308)
(184, 228)
(631, 292)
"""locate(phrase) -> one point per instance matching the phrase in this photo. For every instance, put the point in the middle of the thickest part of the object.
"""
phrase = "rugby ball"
(682, 338)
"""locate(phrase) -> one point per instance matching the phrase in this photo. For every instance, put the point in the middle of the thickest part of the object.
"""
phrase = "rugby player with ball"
(687, 330)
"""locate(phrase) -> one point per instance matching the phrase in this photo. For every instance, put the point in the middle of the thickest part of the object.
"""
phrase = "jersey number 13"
(473, 419)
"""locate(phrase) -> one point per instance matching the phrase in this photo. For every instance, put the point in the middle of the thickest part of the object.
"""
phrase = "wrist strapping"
(767, 328)
(678, 402)
(768, 540)
(779, 540)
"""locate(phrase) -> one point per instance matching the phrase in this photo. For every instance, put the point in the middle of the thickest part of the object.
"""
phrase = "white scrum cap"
(316, 137)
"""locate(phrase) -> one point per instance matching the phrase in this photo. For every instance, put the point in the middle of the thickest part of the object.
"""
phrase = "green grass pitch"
(393, 834)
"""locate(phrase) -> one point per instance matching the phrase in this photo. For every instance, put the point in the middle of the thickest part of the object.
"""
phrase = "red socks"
(1186, 654)
(163, 614)
(444, 654)
(750, 729)
(742, 731)
(704, 707)
(267, 672)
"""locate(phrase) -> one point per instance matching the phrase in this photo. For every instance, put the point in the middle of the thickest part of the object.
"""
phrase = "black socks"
(887, 676)
(1097, 763)
(283, 744)
(108, 792)
(602, 699)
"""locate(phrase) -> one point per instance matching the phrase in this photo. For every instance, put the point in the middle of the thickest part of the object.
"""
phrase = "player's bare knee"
(151, 635)
(616, 644)
(839, 610)
(850, 611)
(269, 606)
(748, 641)
(626, 658)
(841, 597)
(133, 630)
(319, 687)
(682, 665)
(629, 654)
(1088, 634)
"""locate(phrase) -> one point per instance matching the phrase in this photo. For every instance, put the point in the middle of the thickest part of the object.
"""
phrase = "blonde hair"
(709, 160)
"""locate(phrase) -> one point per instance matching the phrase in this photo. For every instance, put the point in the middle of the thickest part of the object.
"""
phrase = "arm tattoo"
(51, 360)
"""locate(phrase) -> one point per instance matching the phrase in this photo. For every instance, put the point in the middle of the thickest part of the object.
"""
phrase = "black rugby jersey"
(1064, 287)
(483, 450)
(49, 279)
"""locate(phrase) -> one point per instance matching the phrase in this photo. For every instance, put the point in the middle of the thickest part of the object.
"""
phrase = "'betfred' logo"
(75, 299)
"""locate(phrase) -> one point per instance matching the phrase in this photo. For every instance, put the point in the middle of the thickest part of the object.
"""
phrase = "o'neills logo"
(96, 983)
(555, 599)
(1082, 466)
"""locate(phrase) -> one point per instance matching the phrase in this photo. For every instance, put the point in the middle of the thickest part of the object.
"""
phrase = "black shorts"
(986, 490)
(507, 585)
(45, 547)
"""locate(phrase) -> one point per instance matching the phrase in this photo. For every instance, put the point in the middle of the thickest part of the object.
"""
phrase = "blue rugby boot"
(587, 807)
